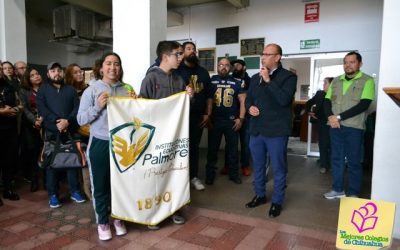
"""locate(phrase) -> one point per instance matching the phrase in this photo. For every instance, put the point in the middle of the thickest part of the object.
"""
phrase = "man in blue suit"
(269, 103)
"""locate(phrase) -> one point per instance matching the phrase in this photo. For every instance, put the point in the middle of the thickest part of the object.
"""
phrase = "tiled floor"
(216, 219)
(31, 224)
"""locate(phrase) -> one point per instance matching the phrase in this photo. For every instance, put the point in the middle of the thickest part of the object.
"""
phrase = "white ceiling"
(42, 9)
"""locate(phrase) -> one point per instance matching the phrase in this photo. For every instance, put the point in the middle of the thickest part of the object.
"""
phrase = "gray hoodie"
(158, 84)
(90, 113)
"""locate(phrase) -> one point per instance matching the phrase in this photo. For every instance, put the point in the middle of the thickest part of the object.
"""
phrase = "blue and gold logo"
(125, 154)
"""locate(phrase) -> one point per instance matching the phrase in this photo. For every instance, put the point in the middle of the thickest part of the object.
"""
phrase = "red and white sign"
(311, 13)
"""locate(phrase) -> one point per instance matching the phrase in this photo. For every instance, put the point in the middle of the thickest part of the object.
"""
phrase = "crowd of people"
(256, 111)
(29, 116)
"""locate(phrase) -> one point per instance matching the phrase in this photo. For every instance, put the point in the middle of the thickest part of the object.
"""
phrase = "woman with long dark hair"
(10, 108)
(31, 125)
(9, 75)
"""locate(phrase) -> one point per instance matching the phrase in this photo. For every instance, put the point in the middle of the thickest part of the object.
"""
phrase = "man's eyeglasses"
(177, 54)
(267, 54)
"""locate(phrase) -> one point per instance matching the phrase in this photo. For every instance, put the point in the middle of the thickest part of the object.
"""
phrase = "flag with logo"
(149, 157)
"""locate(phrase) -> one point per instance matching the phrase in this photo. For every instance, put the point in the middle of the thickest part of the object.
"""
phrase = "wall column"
(138, 26)
(386, 172)
(13, 31)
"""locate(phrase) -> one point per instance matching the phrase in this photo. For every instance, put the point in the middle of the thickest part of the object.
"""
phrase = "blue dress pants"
(276, 148)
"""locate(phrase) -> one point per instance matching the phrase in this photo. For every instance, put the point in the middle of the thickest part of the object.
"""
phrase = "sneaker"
(104, 232)
(77, 197)
(120, 228)
(225, 171)
(196, 183)
(333, 195)
(246, 171)
(322, 170)
(54, 202)
(153, 227)
(177, 219)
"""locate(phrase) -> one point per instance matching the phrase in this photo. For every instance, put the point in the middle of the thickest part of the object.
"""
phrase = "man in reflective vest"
(347, 102)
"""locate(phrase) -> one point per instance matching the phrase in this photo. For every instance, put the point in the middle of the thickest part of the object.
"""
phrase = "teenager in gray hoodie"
(92, 110)
(160, 83)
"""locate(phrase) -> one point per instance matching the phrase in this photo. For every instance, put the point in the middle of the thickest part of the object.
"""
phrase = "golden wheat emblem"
(130, 150)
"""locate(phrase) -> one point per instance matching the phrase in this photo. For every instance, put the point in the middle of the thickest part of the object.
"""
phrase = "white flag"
(149, 157)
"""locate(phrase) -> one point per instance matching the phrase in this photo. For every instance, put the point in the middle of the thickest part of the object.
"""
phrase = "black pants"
(8, 155)
(99, 162)
(30, 149)
(222, 127)
(195, 132)
(324, 144)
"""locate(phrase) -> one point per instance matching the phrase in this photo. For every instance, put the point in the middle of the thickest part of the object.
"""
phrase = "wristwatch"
(338, 117)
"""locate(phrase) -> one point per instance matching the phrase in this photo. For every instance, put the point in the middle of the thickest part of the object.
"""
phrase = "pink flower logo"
(363, 218)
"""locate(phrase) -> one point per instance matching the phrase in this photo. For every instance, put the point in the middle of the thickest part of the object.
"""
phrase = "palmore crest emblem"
(129, 141)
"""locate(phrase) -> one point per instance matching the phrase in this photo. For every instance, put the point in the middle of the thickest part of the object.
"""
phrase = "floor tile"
(18, 227)
(169, 243)
(79, 244)
(213, 232)
(216, 219)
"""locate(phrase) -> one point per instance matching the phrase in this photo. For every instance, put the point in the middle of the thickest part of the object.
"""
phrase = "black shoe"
(11, 195)
(236, 180)
(256, 201)
(275, 210)
(1, 203)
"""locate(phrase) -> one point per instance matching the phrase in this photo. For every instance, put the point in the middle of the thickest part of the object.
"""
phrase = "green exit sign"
(309, 44)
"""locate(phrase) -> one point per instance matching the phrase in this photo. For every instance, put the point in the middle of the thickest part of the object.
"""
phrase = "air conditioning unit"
(174, 19)
(69, 21)
(104, 30)
(239, 3)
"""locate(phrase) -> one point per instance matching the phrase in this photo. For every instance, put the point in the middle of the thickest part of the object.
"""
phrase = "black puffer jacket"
(8, 96)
